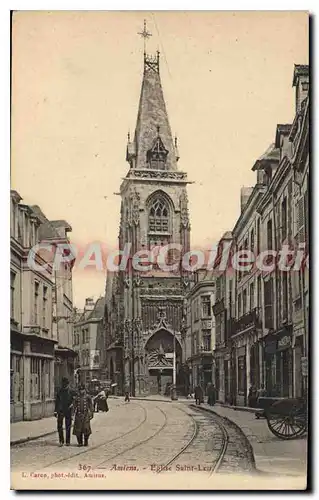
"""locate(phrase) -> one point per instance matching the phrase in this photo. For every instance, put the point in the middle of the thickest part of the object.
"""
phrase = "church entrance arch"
(159, 354)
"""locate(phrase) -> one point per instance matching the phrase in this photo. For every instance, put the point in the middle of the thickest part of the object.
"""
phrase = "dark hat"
(65, 381)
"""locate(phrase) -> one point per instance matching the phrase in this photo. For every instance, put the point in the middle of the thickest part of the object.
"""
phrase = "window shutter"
(306, 217)
(300, 221)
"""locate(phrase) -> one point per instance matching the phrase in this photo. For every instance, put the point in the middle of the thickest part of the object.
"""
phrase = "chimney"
(245, 193)
(301, 82)
(89, 304)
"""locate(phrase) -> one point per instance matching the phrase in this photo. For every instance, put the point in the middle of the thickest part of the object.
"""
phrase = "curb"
(33, 438)
(149, 399)
(240, 408)
(30, 438)
(241, 432)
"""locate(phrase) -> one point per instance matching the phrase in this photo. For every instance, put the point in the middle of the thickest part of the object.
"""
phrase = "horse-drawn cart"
(287, 418)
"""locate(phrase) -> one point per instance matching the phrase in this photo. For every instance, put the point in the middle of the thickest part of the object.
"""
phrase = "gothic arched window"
(158, 216)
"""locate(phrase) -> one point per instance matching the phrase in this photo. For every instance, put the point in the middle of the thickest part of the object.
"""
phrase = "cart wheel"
(287, 426)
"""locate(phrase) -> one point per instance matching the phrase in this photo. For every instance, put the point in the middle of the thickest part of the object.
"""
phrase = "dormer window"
(156, 156)
(268, 176)
(305, 86)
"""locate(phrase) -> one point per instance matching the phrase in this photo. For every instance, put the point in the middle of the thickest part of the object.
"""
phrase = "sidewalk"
(20, 432)
(272, 455)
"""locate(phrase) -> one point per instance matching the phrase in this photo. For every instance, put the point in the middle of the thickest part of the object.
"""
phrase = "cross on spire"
(145, 35)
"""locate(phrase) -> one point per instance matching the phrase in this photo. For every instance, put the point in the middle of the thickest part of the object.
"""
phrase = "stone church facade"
(145, 309)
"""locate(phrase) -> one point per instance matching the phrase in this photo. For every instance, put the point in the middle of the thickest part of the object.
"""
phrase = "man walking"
(127, 395)
(83, 414)
(63, 411)
(199, 395)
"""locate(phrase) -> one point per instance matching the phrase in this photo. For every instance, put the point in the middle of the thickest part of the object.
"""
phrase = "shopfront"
(254, 366)
(279, 364)
(241, 376)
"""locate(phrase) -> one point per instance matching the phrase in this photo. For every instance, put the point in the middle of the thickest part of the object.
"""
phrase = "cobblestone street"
(161, 438)
(146, 436)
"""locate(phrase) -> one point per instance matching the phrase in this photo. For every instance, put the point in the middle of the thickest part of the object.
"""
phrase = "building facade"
(224, 310)
(200, 330)
(284, 212)
(268, 338)
(56, 233)
(89, 341)
(299, 138)
(32, 338)
(146, 326)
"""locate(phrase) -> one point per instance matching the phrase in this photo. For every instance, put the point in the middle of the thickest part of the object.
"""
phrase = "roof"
(15, 195)
(46, 230)
(49, 229)
(98, 311)
(270, 155)
(61, 223)
(300, 70)
(152, 118)
(227, 236)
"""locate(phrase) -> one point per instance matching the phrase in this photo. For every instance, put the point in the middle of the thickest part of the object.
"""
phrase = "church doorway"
(159, 359)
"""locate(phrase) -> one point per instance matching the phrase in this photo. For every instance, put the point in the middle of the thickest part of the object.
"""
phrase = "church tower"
(154, 213)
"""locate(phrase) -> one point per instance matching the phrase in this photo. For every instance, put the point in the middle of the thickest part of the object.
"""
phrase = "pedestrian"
(63, 411)
(100, 401)
(261, 393)
(199, 397)
(83, 413)
(252, 397)
(211, 393)
(214, 394)
(127, 396)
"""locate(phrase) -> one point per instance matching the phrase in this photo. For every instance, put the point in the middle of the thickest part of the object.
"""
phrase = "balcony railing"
(248, 320)
(32, 329)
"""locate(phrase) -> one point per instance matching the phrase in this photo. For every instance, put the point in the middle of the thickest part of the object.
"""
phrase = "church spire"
(152, 119)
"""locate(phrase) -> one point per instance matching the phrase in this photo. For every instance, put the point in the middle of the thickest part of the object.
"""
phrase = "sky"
(76, 79)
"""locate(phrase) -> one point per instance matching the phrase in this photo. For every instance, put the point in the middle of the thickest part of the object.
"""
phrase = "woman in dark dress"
(199, 395)
(100, 401)
(83, 413)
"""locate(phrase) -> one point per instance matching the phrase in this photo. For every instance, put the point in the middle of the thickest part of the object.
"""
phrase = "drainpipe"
(305, 343)
(276, 247)
(276, 323)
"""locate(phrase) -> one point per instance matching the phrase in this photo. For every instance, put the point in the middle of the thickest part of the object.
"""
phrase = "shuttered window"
(306, 212)
(244, 302)
(251, 296)
(269, 235)
(284, 296)
(268, 300)
(284, 219)
(258, 236)
(300, 222)
(239, 305)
